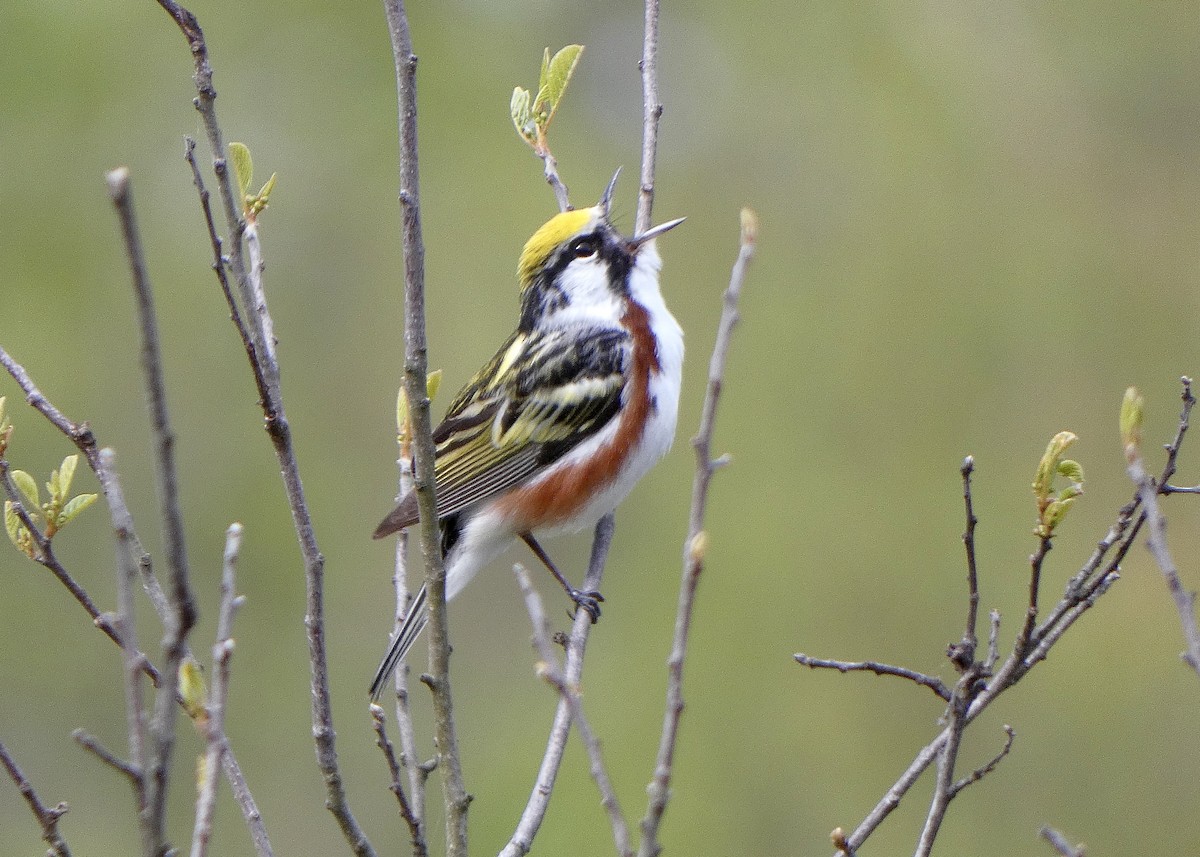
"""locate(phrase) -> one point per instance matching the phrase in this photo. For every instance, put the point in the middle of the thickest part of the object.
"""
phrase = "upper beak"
(638, 240)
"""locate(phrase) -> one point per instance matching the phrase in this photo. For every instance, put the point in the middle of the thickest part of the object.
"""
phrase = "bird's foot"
(589, 601)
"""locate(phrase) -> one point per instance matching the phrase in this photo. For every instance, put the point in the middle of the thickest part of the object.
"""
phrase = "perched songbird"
(573, 410)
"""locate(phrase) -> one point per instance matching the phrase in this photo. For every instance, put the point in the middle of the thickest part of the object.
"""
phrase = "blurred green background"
(979, 225)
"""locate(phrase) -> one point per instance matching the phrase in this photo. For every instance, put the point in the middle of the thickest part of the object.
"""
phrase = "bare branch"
(415, 827)
(81, 435)
(652, 111)
(266, 369)
(1156, 541)
(218, 266)
(214, 725)
(47, 559)
(135, 711)
(93, 746)
(962, 654)
(981, 772)
(46, 816)
(182, 615)
(416, 372)
(932, 682)
(549, 669)
(417, 775)
(697, 540)
(561, 196)
(1061, 844)
(539, 799)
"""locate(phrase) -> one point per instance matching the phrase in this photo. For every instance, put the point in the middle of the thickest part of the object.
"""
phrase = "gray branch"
(416, 371)
(250, 292)
(550, 670)
(696, 544)
(47, 816)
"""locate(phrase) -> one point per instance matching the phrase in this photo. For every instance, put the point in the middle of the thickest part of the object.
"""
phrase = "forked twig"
(47, 816)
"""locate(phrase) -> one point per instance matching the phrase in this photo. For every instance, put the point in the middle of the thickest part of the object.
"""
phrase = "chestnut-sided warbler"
(576, 406)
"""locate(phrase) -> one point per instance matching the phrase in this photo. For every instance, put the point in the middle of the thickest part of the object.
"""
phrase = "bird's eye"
(585, 248)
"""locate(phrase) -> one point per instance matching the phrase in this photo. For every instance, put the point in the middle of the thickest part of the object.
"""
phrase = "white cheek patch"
(585, 284)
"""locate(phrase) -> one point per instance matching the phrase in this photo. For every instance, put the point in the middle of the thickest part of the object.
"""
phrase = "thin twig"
(413, 809)
(962, 654)
(539, 799)
(81, 435)
(420, 848)
(47, 816)
(416, 372)
(248, 280)
(93, 746)
(214, 725)
(1061, 844)
(47, 559)
(549, 669)
(982, 771)
(652, 110)
(218, 266)
(1156, 538)
(135, 711)
(182, 615)
(944, 791)
(1156, 541)
(932, 682)
(696, 545)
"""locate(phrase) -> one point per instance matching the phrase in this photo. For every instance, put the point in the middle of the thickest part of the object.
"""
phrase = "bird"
(576, 406)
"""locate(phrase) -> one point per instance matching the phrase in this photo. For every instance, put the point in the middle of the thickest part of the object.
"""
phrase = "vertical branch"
(266, 368)
(416, 371)
(697, 541)
(539, 799)
(412, 809)
(652, 110)
(549, 669)
(126, 571)
(182, 615)
(206, 800)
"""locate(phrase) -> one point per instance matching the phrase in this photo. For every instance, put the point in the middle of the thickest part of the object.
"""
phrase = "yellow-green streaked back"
(556, 230)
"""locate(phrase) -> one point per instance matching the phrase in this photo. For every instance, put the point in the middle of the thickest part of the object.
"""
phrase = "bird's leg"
(589, 601)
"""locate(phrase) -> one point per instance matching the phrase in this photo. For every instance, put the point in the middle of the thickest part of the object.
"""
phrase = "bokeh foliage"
(979, 227)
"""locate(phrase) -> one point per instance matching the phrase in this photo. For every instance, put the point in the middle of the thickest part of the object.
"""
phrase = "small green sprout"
(1052, 507)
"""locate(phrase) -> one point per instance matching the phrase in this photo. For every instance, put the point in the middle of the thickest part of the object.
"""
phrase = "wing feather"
(539, 396)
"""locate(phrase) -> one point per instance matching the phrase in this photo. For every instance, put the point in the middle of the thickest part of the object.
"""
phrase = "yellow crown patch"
(554, 232)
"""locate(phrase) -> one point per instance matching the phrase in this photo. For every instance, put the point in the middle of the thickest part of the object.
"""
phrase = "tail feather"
(410, 629)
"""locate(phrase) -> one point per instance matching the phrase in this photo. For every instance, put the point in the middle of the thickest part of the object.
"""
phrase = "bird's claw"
(589, 601)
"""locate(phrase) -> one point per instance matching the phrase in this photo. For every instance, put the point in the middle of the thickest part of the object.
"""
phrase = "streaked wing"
(541, 394)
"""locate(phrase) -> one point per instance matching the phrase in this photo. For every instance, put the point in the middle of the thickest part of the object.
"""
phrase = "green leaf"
(243, 167)
(264, 193)
(1132, 407)
(402, 414)
(74, 507)
(522, 115)
(544, 74)
(13, 524)
(433, 382)
(28, 486)
(554, 79)
(66, 474)
(1071, 470)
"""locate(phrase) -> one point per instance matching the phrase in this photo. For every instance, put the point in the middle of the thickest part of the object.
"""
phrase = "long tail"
(410, 629)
